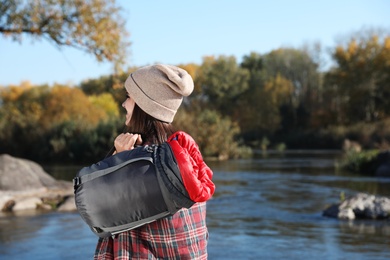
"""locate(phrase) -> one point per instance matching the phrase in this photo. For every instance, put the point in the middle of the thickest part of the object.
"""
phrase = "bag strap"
(89, 177)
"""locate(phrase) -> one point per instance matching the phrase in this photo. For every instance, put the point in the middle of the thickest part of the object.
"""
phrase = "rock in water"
(360, 206)
(22, 175)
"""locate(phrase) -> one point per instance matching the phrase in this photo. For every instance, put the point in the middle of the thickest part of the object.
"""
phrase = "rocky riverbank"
(24, 185)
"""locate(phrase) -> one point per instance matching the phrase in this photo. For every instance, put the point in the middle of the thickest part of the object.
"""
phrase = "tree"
(301, 69)
(44, 123)
(254, 64)
(106, 84)
(222, 81)
(216, 135)
(360, 81)
(106, 102)
(94, 26)
(259, 109)
(65, 104)
(294, 65)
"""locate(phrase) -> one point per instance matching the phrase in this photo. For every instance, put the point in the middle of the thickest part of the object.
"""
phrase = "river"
(269, 207)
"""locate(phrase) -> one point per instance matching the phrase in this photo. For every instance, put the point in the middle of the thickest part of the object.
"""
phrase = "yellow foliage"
(385, 54)
(12, 93)
(209, 60)
(387, 43)
(278, 90)
(352, 48)
(264, 113)
(340, 54)
(105, 102)
(71, 104)
(191, 68)
(96, 27)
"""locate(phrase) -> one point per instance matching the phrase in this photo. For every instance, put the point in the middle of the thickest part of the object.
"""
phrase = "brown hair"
(152, 130)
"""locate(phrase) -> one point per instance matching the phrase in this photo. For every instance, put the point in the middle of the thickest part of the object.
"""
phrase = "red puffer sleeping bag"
(195, 173)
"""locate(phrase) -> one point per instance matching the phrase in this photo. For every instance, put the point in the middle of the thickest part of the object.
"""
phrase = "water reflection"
(45, 236)
(29, 222)
(365, 236)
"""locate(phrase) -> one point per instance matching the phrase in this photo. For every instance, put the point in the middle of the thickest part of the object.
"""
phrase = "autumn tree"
(216, 135)
(301, 69)
(104, 84)
(70, 104)
(295, 65)
(94, 26)
(21, 108)
(359, 83)
(222, 82)
(42, 123)
(259, 110)
(254, 64)
(80, 126)
(250, 105)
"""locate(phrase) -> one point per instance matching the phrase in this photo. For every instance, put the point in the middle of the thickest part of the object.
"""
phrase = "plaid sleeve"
(181, 236)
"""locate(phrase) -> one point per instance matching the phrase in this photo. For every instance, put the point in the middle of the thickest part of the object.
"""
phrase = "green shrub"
(264, 143)
(280, 147)
(359, 161)
(217, 136)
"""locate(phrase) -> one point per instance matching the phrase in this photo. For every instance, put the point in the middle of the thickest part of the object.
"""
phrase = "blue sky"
(175, 32)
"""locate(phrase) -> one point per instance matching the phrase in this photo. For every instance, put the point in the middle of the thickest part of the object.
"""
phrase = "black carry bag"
(130, 189)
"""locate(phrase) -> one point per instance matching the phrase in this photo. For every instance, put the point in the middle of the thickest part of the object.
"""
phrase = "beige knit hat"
(159, 89)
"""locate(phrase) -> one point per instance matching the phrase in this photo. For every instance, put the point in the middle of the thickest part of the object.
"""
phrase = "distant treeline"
(267, 101)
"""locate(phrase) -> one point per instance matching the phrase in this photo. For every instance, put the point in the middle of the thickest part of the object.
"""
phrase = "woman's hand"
(127, 141)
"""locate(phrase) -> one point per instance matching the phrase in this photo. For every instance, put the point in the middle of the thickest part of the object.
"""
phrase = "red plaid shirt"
(181, 236)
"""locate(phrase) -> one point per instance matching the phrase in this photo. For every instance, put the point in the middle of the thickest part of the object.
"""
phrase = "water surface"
(264, 208)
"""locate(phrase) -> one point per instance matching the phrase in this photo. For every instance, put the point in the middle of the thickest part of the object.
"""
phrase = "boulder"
(360, 206)
(24, 185)
(27, 203)
(22, 175)
(68, 205)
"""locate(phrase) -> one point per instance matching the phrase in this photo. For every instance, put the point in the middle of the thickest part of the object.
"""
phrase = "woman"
(154, 93)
